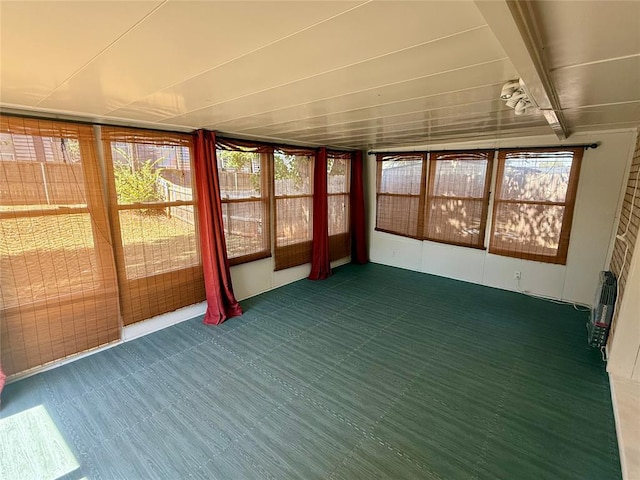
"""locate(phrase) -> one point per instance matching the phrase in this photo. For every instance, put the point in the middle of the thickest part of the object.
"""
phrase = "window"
(244, 190)
(533, 206)
(153, 216)
(338, 184)
(458, 197)
(400, 181)
(59, 291)
(293, 192)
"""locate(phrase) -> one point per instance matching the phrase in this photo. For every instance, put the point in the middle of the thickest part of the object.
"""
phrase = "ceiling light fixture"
(517, 96)
(508, 89)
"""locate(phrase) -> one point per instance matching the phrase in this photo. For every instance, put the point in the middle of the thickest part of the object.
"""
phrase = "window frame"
(490, 154)
(569, 205)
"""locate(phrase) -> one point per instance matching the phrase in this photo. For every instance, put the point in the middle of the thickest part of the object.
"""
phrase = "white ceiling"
(343, 74)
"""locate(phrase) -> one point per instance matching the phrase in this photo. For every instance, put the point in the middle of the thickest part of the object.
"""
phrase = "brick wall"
(629, 223)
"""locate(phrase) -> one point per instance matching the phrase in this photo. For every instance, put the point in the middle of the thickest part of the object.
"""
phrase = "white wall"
(624, 359)
(600, 186)
(253, 278)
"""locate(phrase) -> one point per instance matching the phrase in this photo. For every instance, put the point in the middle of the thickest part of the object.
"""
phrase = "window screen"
(458, 197)
(153, 215)
(533, 206)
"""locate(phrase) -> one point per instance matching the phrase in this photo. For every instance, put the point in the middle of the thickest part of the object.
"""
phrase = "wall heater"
(602, 309)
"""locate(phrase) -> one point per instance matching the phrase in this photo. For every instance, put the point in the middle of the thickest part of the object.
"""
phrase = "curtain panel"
(221, 302)
(320, 264)
(359, 252)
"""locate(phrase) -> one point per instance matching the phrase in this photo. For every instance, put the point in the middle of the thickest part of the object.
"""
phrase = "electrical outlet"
(517, 275)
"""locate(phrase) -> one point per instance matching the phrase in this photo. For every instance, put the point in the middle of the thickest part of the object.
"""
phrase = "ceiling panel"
(428, 59)
(413, 123)
(422, 137)
(43, 43)
(577, 32)
(354, 73)
(181, 40)
(457, 83)
(346, 40)
(622, 113)
(599, 83)
(394, 113)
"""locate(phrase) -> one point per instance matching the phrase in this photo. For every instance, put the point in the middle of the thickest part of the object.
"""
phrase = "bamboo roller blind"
(532, 209)
(59, 292)
(293, 193)
(153, 216)
(401, 184)
(244, 170)
(458, 197)
(533, 206)
(338, 188)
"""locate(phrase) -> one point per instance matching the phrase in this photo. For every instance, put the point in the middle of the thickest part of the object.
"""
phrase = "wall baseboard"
(140, 329)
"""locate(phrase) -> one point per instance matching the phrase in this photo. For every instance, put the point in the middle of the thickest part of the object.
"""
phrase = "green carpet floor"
(376, 372)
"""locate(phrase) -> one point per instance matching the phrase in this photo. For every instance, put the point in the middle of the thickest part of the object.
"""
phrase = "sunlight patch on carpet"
(32, 447)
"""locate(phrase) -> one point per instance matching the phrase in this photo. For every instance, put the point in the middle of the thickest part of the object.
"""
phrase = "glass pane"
(146, 173)
(294, 220)
(528, 229)
(47, 257)
(338, 214)
(244, 228)
(239, 174)
(453, 220)
(158, 240)
(536, 176)
(460, 178)
(338, 175)
(293, 175)
(397, 214)
(401, 176)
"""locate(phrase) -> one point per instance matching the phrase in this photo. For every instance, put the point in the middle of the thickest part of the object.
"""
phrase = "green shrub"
(137, 185)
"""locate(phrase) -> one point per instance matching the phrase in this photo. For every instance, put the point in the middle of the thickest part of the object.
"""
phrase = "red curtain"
(358, 232)
(221, 303)
(320, 264)
(2, 379)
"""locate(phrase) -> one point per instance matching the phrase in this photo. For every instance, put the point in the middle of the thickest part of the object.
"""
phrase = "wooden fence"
(35, 183)
(172, 193)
